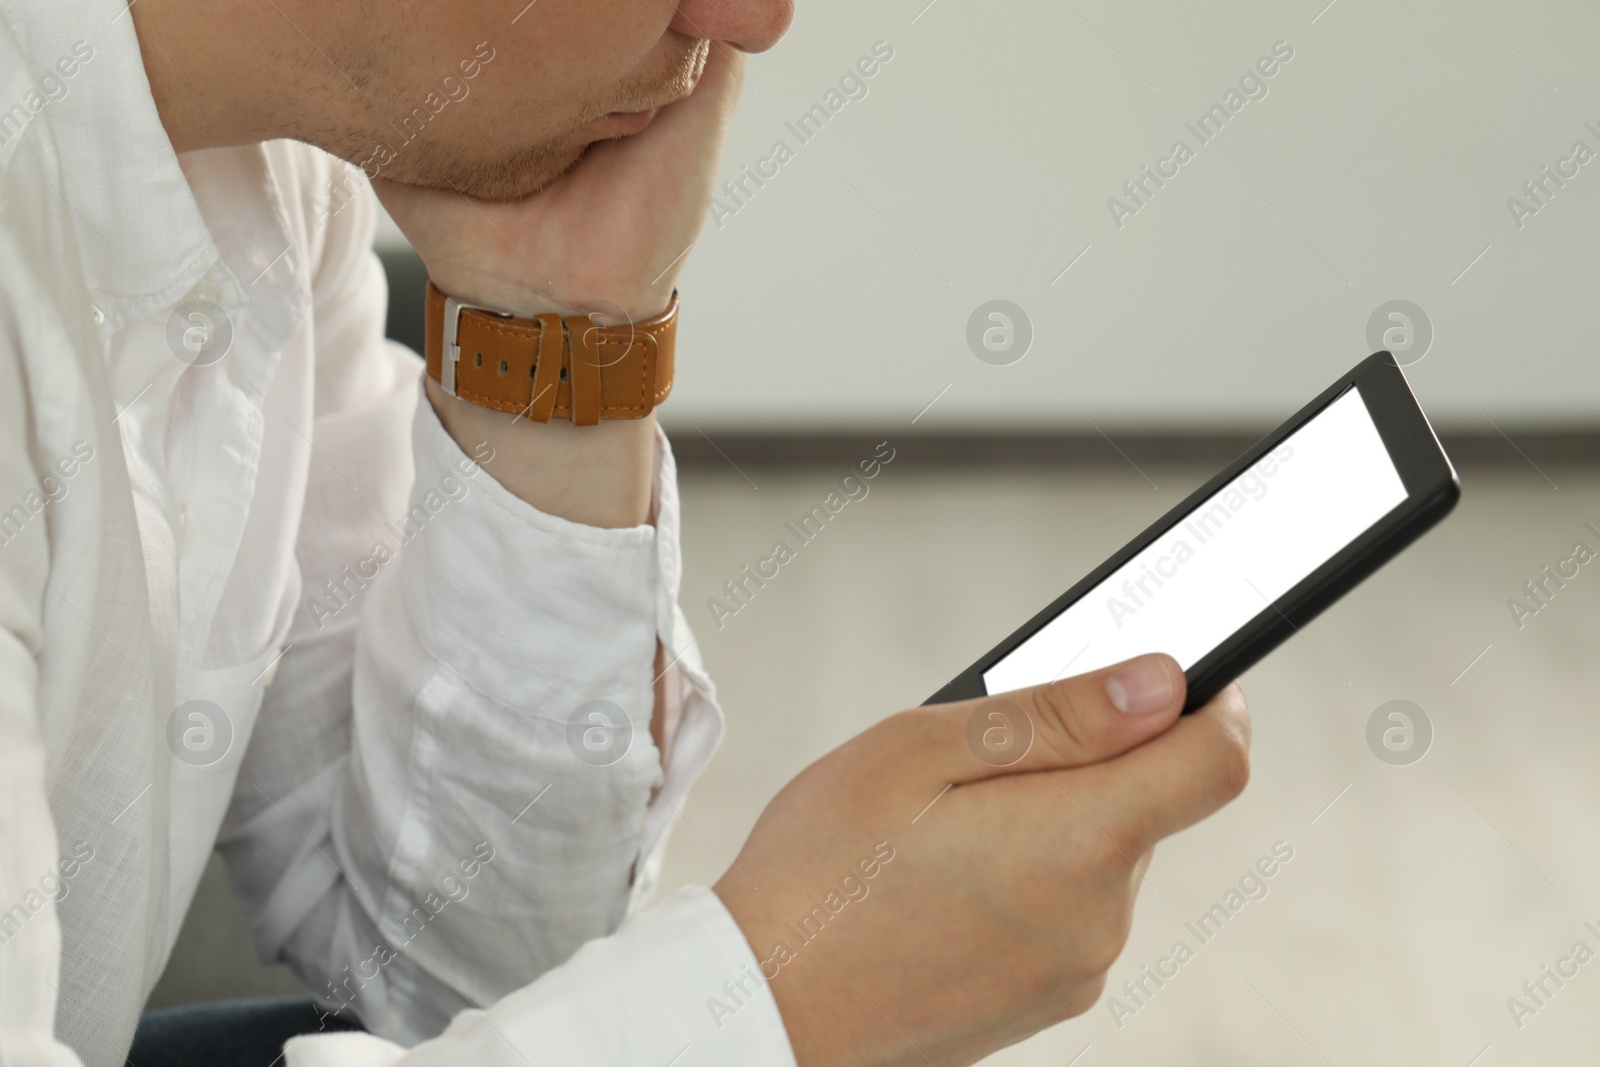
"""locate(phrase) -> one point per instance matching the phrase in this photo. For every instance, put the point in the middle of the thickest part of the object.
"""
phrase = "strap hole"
(503, 368)
(480, 359)
(563, 374)
(533, 370)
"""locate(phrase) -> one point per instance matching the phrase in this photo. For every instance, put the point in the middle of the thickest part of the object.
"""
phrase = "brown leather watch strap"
(549, 367)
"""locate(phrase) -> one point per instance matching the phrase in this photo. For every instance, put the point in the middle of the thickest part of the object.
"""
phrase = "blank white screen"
(1228, 559)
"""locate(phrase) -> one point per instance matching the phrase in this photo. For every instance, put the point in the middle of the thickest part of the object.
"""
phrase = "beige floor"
(1415, 904)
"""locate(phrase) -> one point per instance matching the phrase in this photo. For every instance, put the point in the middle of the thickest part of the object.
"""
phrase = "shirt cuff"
(482, 570)
(677, 985)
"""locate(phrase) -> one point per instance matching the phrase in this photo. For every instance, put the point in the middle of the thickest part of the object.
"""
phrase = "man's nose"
(749, 25)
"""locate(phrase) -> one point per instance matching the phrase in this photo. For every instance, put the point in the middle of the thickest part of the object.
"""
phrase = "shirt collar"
(144, 242)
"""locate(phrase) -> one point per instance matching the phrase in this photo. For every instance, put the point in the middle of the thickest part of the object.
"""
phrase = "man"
(382, 635)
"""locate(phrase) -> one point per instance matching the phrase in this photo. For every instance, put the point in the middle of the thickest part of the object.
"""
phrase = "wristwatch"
(548, 366)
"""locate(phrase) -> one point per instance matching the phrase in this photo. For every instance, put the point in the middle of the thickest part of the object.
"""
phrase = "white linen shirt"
(266, 603)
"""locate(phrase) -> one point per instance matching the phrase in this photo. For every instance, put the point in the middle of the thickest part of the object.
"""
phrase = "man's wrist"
(611, 305)
(593, 475)
(548, 365)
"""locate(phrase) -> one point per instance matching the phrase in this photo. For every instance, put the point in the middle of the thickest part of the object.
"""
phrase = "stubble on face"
(493, 172)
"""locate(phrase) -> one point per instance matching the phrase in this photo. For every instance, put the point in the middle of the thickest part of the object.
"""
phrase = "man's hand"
(1008, 898)
(608, 237)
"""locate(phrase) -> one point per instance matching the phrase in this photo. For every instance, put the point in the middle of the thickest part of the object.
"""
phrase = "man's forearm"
(594, 475)
(599, 475)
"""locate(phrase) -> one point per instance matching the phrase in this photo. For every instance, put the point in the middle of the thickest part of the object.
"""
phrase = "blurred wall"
(977, 164)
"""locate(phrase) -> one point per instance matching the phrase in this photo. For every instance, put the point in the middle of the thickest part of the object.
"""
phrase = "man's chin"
(528, 173)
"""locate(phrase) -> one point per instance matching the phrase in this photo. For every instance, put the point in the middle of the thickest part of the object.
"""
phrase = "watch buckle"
(451, 354)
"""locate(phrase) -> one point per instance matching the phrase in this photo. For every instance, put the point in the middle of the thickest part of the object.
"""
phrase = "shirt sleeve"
(30, 930)
(678, 985)
(444, 822)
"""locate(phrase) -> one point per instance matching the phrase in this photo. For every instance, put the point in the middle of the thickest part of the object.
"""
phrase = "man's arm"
(594, 475)
(410, 785)
(906, 899)
(609, 237)
(463, 848)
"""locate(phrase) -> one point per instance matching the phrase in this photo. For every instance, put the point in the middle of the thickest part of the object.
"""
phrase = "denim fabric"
(230, 1033)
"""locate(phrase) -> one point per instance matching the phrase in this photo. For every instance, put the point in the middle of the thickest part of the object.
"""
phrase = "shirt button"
(97, 315)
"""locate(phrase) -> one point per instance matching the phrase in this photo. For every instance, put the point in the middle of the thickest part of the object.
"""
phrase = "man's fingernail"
(1141, 686)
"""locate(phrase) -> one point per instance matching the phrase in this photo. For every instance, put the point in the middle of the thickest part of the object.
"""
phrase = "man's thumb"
(1064, 724)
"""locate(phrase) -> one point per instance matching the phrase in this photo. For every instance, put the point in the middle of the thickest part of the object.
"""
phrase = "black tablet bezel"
(1432, 489)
